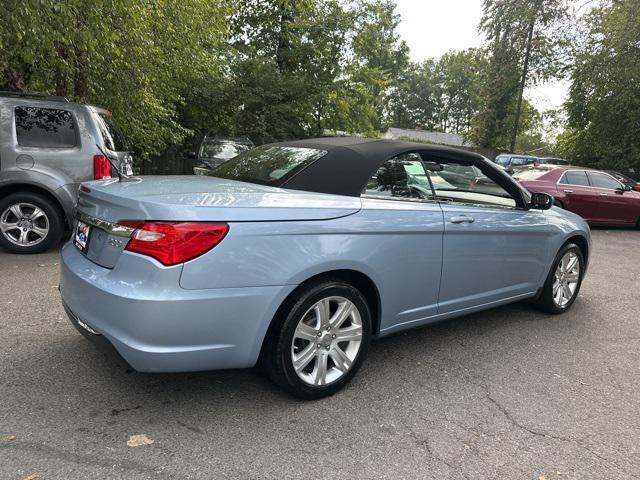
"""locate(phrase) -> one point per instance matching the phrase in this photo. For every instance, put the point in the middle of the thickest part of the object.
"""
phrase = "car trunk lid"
(102, 204)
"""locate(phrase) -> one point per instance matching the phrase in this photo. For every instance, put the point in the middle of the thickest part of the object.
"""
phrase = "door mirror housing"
(541, 201)
(624, 188)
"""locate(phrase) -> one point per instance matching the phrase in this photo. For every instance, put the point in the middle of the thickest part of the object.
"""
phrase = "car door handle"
(568, 191)
(461, 219)
(603, 194)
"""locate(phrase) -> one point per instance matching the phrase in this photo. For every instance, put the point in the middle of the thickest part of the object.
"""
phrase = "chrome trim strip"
(109, 227)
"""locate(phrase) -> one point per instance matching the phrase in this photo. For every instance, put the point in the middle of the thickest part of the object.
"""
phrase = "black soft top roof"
(350, 162)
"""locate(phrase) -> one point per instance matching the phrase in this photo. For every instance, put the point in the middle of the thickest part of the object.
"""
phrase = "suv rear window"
(267, 165)
(221, 150)
(113, 139)
(45, 127)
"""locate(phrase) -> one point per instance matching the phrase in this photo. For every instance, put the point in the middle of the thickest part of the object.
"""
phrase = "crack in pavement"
(85, 459)
(424, 444)
(539, 433)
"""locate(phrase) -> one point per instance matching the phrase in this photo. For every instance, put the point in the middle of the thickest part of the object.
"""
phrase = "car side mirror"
(541, 201)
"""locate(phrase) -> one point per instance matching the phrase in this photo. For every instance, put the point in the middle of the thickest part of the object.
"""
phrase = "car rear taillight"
(101, 167)
(173, 242)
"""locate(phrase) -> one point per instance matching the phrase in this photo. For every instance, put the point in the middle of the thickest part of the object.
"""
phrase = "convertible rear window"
(267, 165)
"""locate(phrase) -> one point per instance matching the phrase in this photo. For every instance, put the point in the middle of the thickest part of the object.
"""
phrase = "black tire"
(52, 216)
(277, 353)
(545, 301)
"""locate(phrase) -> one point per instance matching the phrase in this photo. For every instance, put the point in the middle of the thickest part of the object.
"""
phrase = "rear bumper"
(156, 326)
(94, 337)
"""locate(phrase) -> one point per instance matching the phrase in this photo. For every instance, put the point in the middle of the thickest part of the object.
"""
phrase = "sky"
(432, 27)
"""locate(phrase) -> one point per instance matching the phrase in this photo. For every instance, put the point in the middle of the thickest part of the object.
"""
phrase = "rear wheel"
(29, 223)
(563, 283)
(321, 341)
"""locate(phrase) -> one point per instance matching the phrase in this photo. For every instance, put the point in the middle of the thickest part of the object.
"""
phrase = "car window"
(517, 161)
(45, 127)
(400, 177)
(500, 160)
(221, 150)
(113, 138)
(267, 165)
(602, 180)
(462, 183)
(620, 177)
(575, 178)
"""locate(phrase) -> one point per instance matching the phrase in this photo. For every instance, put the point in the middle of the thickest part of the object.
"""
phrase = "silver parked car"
(47, 147)
(297, 254)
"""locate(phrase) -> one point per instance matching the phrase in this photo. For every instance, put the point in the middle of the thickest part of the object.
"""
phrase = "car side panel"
(581, 200)
(501, 254)
(618, 208)
(63, 165)
(397, 244)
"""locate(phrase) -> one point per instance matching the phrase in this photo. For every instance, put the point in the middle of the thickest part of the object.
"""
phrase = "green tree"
(134, 58)
(439, 94)
(378, 55)
(522, 45)
(298, 68)
(604, 99)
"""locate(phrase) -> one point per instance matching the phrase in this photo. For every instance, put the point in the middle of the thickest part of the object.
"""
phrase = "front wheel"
(321, 341)
(563, 283)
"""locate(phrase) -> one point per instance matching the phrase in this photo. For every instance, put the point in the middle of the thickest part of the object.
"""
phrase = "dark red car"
(594, 195)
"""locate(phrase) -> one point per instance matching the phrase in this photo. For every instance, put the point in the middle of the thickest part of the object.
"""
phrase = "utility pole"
(523, 79)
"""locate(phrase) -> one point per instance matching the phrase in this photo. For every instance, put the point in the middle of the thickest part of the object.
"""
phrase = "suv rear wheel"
(29, 223)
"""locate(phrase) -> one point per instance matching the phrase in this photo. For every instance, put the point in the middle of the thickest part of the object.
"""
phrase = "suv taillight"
(173, 242)
(101, 167)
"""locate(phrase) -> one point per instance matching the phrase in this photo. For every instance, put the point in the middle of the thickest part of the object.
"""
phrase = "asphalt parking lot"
(510, 393)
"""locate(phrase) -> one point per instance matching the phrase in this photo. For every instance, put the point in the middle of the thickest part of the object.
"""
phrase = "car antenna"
(111, 162)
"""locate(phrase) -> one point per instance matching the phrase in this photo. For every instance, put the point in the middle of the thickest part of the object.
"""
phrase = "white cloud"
(432, 27)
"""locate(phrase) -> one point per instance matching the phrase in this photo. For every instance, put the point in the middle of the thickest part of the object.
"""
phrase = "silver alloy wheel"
(326, 341)
(566, 279)
(24, 224)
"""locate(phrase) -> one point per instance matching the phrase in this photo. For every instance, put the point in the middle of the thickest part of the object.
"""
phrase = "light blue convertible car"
(295, 255)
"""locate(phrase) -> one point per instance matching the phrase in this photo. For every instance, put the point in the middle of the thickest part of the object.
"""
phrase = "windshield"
(267, 165)
(222, 150)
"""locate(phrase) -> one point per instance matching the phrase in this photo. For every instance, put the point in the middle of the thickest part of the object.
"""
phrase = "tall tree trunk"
(80, 87)
(283, 49)
(14, 80)
(60, 76)
(523, 80)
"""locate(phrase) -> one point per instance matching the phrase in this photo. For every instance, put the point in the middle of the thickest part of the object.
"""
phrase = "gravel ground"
(510, 393)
